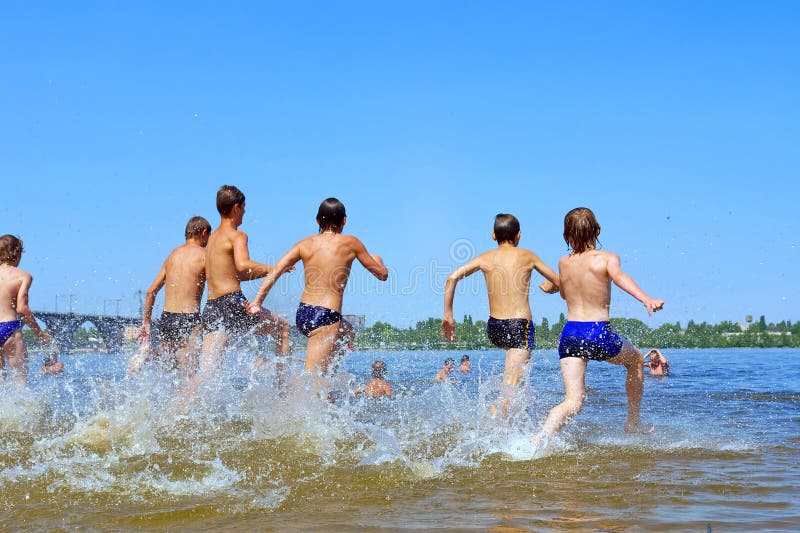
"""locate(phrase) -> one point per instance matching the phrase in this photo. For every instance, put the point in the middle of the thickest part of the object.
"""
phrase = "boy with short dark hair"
(184, 275)
(377, 386)
(444, 373)
(586, 276)
(507, 270)
(15, 284)
(228, 263)
(327, 258)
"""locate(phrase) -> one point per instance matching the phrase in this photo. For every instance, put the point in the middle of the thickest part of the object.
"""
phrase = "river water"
(93, 449)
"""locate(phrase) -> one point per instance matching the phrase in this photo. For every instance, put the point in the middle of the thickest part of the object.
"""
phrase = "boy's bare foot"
(642, 429)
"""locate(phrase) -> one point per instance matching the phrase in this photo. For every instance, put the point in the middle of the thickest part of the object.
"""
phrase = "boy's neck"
(507, 244)
(228, 223)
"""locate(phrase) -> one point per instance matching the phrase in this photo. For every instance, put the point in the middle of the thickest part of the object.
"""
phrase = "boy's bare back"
(327, 260)
(377, 387)
(12, 281)
(185, 276)
(586, 285)
(507, 270)
(222, 274)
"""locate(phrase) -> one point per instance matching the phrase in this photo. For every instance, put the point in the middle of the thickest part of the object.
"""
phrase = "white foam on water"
(22, 410)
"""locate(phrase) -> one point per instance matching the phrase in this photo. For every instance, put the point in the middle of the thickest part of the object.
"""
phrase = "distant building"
(358, 322)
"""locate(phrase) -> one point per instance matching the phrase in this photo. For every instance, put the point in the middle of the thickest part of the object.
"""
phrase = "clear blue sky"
(676, 122)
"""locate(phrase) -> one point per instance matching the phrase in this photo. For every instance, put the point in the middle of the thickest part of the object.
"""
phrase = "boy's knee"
(573, 405)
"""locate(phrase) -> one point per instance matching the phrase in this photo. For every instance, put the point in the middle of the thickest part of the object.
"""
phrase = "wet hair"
(227, 197)
(450, 361)
(464, 358)
(378, 369)
(10, 249)
(195, 227)
(331, 214)
(580, 229)
(506, 228)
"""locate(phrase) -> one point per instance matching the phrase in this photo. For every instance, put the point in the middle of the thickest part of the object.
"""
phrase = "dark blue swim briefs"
(589, 340)
(7, 329)
(311, 317)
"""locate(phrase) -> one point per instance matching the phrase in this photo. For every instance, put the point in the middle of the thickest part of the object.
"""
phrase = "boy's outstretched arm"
(24, 311)
(372, 263)
(448, 324)
(552, 282)
(626, 283)
(246, 268)
(150, 302)
(283, 265)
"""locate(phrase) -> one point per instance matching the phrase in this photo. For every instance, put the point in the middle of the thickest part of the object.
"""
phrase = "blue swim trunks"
(311, 317)
(7, 329)
(589, 340)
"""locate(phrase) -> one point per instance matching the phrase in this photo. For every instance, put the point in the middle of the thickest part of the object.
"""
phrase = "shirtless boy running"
(586, 276)
(224, 316)
(14, 286)
(184, 275)
(507, 270)
(327, 258)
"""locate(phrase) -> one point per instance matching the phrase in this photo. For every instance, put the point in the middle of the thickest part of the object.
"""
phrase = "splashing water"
(93, 440)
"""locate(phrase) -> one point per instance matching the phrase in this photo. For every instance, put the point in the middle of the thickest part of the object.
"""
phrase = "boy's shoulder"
(15, 275)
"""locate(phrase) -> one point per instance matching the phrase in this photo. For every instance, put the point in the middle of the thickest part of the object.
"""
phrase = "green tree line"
(471, 335)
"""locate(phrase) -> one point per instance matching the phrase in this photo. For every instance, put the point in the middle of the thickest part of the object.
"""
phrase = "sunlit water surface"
(94, 449)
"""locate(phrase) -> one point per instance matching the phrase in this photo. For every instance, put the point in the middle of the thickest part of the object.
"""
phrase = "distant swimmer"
(464, 366)
(183, 273)
(225, 315)
(444, 373)
(327, 259)
(656, 363)
(586, 276)
(507, 270)
(15, 284)
(51, 365)
(377, 386)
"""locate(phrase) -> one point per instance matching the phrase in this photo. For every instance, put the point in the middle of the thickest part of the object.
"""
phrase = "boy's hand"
(652, 305)
(449, 329)
(252, 309)
(45, 337)
(548, 286)
(144, 333)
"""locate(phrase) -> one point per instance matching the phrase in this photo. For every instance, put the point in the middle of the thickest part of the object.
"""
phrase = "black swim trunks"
(311, 317)
(228, 315)
(511, 333)
(176, 328)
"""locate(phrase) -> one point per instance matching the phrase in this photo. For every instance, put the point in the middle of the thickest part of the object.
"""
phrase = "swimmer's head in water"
(10, 250)
(465, 359)
(331, 215)
(195, 228)
(581, 229)
(450, 362)
(227, 197)
(506, 228)
(378, 369)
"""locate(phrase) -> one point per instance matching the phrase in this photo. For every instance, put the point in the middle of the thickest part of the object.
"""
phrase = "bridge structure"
(62, 327)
